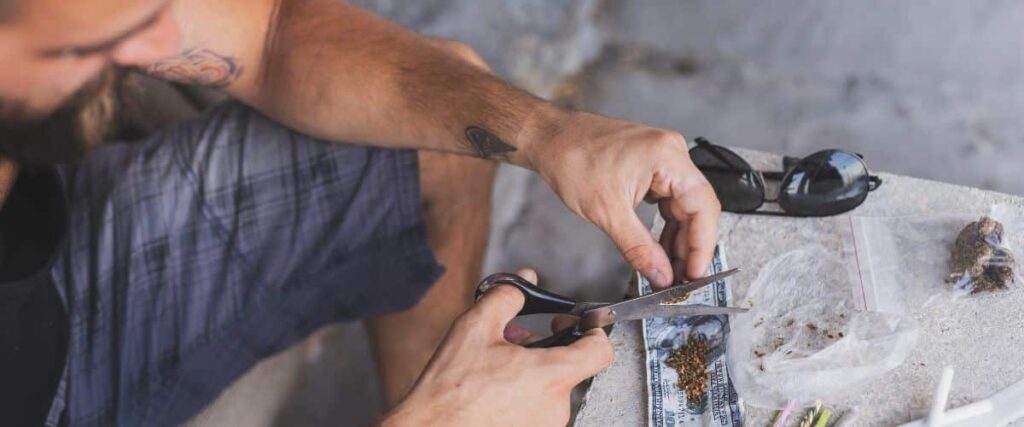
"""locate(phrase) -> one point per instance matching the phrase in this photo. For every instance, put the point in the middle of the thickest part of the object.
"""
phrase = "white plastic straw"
(966, 412)
(940, 398)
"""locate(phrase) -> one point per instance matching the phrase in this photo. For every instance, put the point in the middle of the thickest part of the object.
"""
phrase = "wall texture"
(924, 88)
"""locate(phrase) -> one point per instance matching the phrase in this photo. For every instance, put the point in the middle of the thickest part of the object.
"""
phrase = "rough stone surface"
(922, 88)
(977, 336)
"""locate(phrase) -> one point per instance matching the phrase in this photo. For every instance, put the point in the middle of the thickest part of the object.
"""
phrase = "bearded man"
(138, 279)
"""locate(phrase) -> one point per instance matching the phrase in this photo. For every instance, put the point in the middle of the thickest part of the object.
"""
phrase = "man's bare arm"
(335, 71)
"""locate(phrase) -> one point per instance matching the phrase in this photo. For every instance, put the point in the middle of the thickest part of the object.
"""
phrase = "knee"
(462, 51)
(456, 192)
(456, 182)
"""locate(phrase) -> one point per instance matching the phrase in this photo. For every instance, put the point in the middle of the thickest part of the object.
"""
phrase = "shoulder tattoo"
(200, 66)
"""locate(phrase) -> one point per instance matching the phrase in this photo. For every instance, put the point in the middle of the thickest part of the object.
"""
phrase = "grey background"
(931, 89)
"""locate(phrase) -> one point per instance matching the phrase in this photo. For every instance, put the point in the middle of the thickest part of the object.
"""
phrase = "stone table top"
(948, 333)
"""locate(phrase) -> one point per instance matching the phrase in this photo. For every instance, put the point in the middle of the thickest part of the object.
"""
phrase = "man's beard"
(63, 136)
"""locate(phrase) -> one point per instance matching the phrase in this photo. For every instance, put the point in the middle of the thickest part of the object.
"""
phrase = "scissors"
(599, 314)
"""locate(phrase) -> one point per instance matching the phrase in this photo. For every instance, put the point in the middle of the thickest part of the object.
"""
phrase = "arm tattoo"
(487, 145)
(201, 66)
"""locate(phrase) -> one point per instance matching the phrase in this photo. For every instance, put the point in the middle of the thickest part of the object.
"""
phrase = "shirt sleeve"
(226, 235)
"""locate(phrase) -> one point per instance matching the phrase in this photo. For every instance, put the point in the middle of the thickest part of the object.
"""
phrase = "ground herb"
(980, 261)
(690, 362)
(676, 299)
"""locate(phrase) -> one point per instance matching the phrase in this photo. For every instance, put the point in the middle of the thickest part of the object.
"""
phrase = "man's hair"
(32, 139)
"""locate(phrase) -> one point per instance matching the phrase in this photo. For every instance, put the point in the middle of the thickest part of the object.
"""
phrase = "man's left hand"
(603, 168)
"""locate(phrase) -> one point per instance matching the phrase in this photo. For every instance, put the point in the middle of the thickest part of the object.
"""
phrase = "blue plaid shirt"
(197, 252)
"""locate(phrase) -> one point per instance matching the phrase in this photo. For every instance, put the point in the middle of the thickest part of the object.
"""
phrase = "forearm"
(341, 73)
(337, 72)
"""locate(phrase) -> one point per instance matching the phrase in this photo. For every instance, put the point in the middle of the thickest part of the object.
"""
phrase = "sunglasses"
(828, 182)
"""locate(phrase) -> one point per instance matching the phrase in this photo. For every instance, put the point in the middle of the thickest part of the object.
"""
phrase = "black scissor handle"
(564, 337)
(537, 299)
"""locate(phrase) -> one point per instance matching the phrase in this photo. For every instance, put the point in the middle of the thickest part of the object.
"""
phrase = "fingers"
(639, 247)
(667, 240)
(516, 334)
(561, 322)
(586, 357)
(697, 210)
(528, 274)
(668, 233)
(497, 308)
(701, 237)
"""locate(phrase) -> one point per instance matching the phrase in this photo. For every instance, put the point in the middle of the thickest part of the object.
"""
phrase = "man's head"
(63, 64)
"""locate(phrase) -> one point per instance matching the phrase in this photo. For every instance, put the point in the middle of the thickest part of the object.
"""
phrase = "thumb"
(497, 308)
(639, 248)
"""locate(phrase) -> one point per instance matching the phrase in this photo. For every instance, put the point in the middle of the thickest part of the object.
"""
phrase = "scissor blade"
(697, 284)
(657, 298)
(674, 311)
(650, 305)
(604, 316)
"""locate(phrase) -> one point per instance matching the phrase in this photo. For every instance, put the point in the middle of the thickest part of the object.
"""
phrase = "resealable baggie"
(910, 262)
(807, 336)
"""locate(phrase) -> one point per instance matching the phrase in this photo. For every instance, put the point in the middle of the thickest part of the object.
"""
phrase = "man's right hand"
(479, 378)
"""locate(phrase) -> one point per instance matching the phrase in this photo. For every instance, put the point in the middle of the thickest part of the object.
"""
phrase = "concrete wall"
(932, 89)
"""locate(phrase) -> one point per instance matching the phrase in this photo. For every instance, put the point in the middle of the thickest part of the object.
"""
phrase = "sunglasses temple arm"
(713, 149)
(874, 182)
(788, 162)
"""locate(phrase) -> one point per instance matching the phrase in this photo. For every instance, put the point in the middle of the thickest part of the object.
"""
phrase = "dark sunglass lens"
(737, 188)
(825, 183)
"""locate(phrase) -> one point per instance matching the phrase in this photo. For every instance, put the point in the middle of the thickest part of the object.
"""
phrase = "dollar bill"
(667, 405)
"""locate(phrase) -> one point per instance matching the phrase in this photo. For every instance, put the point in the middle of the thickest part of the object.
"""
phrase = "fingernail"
(657, 279)
(514, 332)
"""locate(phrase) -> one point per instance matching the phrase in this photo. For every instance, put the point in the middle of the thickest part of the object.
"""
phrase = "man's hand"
(478, 378)
(603, 168)
(332, 70)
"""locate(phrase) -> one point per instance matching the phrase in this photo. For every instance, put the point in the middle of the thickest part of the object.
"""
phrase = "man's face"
(63, 62)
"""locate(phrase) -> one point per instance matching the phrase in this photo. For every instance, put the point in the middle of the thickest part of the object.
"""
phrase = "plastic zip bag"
(906, 263)
(805, 336)
(981, 258)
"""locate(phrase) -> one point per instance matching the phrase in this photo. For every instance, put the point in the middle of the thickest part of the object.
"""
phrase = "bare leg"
(457, 197)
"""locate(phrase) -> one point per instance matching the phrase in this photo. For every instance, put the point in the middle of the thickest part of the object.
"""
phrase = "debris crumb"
(779, 342)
